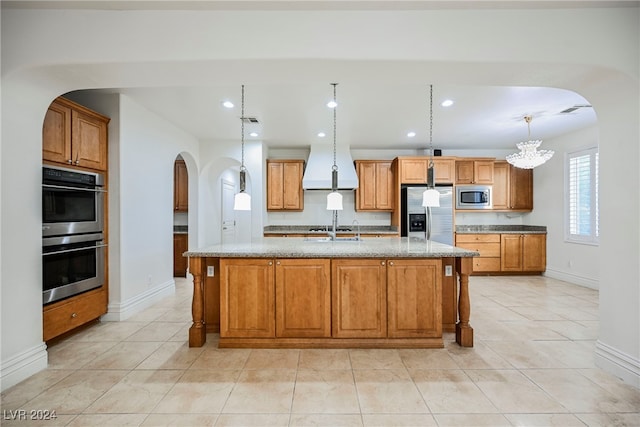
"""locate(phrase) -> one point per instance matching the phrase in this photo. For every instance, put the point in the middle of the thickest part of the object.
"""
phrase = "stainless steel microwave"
(473, 197)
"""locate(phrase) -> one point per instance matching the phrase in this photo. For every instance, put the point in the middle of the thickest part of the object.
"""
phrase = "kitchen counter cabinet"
(523, 252)
(303, 298)
(375, 192)
(488, 245)
(359, 298)
(284, 185)
(180, 246)
(277, 293)
(74, 135)
(68, 314)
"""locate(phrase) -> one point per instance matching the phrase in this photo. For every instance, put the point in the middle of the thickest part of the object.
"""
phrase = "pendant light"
(242, 200)
(431, 196)
(529, 157)
(334, 199)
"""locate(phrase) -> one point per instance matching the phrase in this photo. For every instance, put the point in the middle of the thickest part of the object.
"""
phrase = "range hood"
(317, 173)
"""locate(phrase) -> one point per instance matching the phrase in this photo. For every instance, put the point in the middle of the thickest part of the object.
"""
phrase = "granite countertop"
(502, 229)
(298, 247)
(321, 229)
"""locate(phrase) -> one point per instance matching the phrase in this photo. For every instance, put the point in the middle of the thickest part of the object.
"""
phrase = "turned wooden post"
(197, 331)
(464, 331)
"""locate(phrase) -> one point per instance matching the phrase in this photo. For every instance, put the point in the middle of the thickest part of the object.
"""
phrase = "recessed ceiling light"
(447, 103)
(227, 104)
(411, 134)
(332, 104)
(321, 134)
(254, 134)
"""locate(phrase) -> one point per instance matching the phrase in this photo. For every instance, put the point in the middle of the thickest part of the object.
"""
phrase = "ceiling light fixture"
(321, 134)
(431, 196)
(253, 134)
(411, 134)
(334, 199)
(447, 103)
(227, 104)
(242, 200)
(529, 157)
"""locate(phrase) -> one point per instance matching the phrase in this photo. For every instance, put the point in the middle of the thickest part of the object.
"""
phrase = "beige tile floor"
(532, 365)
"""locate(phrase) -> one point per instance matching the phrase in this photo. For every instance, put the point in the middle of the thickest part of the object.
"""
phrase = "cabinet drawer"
(486, 264)
(73, 313)
(489, 238)
(485, 249)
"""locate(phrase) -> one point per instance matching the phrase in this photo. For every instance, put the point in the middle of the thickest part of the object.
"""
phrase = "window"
(581, 213)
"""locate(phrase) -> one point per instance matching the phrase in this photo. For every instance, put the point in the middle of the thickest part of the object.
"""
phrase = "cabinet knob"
(77, 162)
(70, 161)
(382, 263)
(270, 263)
(74, 315)
(277, 262)
(390, 262)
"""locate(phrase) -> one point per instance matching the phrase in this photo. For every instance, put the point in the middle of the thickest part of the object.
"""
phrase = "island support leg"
(197, 331)
(464, 331)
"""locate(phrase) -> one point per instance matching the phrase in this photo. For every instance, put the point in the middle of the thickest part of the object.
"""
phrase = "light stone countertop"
(321, 229)
(501, 229)
(298, 247)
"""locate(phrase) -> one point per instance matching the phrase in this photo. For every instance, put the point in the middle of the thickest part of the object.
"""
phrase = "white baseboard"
(23, 365)
(617, 363)
(119, 311)
(587, 282)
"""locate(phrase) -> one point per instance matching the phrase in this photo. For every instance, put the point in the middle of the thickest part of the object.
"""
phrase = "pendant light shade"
(431, 198)
(334, 201)
(242, 200)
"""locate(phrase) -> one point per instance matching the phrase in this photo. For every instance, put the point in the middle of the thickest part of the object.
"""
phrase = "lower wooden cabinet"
(303, 298)
(247, 298)
(180, 246)
(324, 298)
(63, 316)
(523, 252)
(359, 298)
(506, 252)
(414, 295)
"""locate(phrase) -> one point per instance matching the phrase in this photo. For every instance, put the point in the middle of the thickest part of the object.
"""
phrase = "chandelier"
(242, 200)
(529, 156)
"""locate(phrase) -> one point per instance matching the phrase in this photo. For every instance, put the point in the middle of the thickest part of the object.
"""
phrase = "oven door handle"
(65, 187)
(74, 250)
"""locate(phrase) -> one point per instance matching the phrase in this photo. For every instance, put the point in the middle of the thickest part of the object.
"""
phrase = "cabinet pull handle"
(74, 315)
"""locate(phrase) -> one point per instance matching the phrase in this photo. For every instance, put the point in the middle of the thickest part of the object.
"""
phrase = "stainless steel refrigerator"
(414, 218)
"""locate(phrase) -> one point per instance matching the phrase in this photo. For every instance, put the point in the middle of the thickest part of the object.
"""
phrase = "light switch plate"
(448, 270)
(210, 271)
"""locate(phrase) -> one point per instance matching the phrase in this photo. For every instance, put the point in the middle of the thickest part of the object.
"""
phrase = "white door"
(228, 214)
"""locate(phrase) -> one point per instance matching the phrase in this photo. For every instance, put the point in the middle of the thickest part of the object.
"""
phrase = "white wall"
(592, 51)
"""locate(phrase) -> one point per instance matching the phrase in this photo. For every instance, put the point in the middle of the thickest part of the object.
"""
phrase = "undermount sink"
(337, 239)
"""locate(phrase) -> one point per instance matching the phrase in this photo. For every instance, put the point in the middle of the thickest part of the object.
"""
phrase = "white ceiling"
(371, 116)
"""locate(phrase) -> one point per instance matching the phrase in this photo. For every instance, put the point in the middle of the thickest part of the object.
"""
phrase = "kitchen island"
(296, 292)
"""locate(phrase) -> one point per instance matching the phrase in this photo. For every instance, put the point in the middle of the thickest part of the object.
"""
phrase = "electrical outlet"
(210, 271)
(448, 270)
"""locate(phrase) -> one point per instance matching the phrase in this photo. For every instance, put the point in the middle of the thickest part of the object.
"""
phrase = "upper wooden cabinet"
(375, 190)
(74, 135)
(180, 186)
(512, 187)
(413, 170)
(474, 171)
(284, 185)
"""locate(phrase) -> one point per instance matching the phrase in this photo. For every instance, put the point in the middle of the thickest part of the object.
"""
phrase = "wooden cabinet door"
(56, 134)
(464, 171)
(247, 298)
(292, 197)
(88, 141)
(413, 171)
(521, 189)
(180, 186)
(483, 172)
(534, 252)
(275, 185)
(445, 171)
(414, 292)
(501, 194)
(367, 184)
(384, 186)
(303, 298)
(359, 298)
(511, 252)
(180, 246)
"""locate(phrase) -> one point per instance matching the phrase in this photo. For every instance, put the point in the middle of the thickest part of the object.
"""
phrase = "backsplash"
(315, 212)
(489, 218)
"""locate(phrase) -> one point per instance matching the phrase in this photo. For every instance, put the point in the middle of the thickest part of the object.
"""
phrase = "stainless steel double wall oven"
(72, 232)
